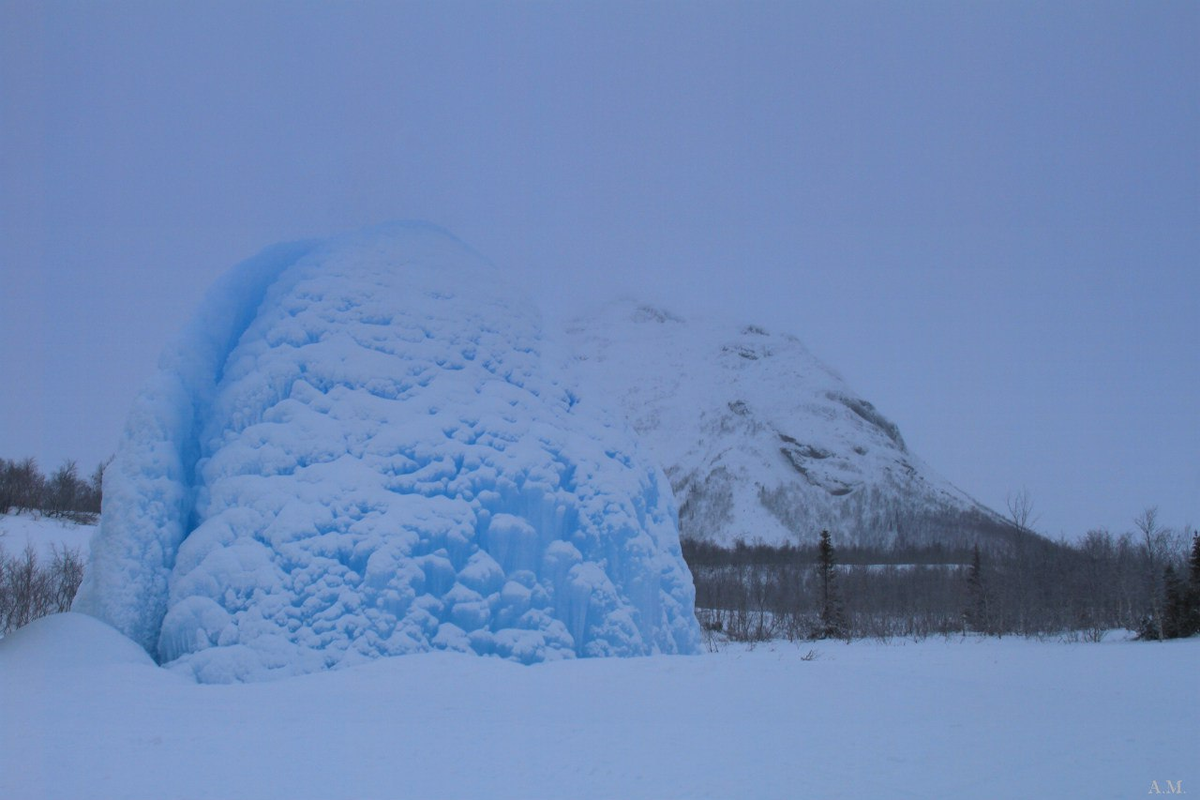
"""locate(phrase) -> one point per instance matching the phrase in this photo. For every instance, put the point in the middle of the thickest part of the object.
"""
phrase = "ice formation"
(356, 450)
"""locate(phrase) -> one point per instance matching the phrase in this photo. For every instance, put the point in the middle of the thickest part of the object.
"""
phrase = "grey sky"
(985, 215)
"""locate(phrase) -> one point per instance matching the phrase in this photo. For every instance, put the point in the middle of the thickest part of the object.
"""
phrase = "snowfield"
(86, 714)
(44, 534)
(356, 496)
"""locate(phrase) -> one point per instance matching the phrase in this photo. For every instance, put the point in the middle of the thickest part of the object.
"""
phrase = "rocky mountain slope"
(762, 442)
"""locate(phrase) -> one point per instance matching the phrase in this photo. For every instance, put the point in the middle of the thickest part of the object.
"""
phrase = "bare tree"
(63, 490)
(1020, 510)
(93, 492)
(22, 486)
(1155, 540)
(1020, 513)
(1097, 592)
(66, 573)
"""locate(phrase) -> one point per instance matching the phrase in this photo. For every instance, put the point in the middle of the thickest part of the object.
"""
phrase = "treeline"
(23, 488)
(707, 554)
(1145, 581)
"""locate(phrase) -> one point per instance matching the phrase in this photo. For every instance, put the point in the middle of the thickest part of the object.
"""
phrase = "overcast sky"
(985, 215)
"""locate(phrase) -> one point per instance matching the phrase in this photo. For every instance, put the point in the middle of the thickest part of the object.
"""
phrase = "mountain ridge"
(761, 440)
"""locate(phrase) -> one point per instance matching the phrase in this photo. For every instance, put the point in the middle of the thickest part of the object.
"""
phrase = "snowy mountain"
(761, 441)
(357, 450)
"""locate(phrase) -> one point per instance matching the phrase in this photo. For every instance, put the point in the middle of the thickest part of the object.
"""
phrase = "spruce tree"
(976, 615)
(1194, 561)
(1181, 598)
(832, 624)
(1174, 605)
(1191, 614)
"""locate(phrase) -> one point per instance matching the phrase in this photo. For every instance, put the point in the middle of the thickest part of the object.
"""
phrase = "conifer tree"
(1181, 598)
(832, 624)
(977, 613)
(1194, 562)
(1174, 605)
(1191, 592)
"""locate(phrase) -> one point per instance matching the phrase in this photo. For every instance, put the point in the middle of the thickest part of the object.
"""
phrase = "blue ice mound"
(356, 451)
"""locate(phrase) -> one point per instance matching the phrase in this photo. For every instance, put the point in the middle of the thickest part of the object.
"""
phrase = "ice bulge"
(356, 450)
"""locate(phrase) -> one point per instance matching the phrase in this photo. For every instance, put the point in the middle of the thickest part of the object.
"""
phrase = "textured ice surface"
(355, 451)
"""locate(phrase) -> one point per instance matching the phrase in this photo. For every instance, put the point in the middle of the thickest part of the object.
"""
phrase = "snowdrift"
(87, 715)
(356, 450)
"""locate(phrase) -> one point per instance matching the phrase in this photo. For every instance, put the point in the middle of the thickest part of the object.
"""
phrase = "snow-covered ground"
(44, 533)
(85, 714)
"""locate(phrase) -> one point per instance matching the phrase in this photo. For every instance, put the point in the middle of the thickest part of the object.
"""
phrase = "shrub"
(30, 589)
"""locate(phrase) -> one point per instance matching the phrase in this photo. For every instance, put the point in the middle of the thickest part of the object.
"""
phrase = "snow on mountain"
(761, 441)
(357, 450)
